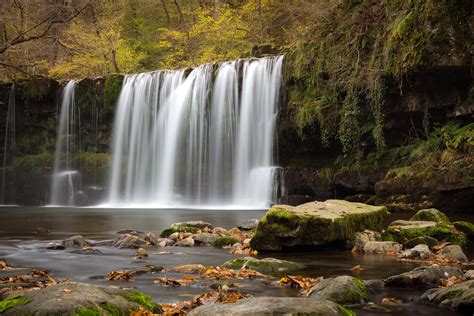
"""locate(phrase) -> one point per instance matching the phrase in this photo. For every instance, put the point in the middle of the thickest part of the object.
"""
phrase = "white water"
(65, 178)
(9, 148)
(197, 141)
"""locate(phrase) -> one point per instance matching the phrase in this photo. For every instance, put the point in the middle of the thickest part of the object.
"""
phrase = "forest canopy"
(79, 38)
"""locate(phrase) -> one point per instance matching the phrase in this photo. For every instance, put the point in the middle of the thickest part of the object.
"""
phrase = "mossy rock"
(422, 240)
(344, 290)
(224, 241)
(459, 297)
(79, 299)
(174, 229)
(267, 265)
(404, 231)
(432, 215)
(315, 223)
(466, 227)
(13, 301)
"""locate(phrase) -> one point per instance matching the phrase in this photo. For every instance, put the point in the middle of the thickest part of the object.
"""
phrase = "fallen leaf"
(119, 275)
(67, 290)
(391, 300)
(357, 269)
(450, 281)
(305, 284)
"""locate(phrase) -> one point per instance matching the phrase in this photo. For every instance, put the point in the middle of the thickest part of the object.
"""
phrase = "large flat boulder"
(272, 306)
(459, 297)
(315, 223)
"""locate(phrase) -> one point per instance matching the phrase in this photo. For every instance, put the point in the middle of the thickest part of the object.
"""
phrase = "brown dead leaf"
(67, 290)
(450, 281)
(299, 282)
(141, 312)
(3, 264)
(357, 269)
(119, 275)
(170, 282)
(222, 273)
(391, 300)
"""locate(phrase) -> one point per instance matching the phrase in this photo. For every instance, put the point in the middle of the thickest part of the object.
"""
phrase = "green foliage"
(112, 309)
(112, 88)
(88, 311)
(13, 301)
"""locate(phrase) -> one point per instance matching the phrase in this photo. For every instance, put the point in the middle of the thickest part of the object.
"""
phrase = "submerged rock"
(361, 238)
(73, 298)
(272, 306)
(267, 265)
(128, 241)
(459, 297)
(452, 252)
(76, 241)
(382, 247)
(55, 246)
(431, 215)
(344, 290)
(248, 224)
(315, 223)
(423, 277)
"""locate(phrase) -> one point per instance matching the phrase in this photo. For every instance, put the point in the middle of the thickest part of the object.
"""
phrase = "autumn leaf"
(391, 300)
(119, 275)
(305, 284)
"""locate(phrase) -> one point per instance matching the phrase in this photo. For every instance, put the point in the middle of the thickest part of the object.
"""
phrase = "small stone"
(219, 231)
(187, 242)
(248, 224)
(267, 265)
(469, 275)
(344, 290)
(129, 241)
(382, 247)
(361, 238)
(419, 252)
(141, 253)
(165, 242)
(174, 236)
(432, 215)
(55, 246)
(87, 251)
(452, 252)
(151, 239)
(423, 277)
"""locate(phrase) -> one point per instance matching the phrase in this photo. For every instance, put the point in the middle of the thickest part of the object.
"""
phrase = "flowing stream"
(203, 139)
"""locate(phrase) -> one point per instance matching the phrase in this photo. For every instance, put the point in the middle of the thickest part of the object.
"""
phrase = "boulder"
(374, 286)
(405, 231)
(361, 238)
(424, 240)
(73, 298)
(452, 253)
(248, 224)
(129, 241)
(459, 297)
(423, 277)
(315, 223)
(195, 224)
(272, 306)
(186, 242)
(76, 241)
(344, 290)
(267, 265)
(382, 247)
(205, 238)
(419, 252)
(431, 215)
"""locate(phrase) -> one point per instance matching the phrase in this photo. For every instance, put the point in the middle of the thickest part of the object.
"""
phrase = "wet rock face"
(271, 306)
(344, 290)
(128, 241)
(315, 223)
(459, 297)
(75, 242)
(424, 277)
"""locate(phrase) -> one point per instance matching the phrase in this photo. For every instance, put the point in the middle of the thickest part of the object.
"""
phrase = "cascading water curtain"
(202, 140)
(64, 178)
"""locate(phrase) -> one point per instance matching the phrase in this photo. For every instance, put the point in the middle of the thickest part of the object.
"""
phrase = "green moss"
(432, 215)
(425, 240)
(453, 294)
(224, 241)
(112, 309)
(178, 229)
(345, 312)
(465, 227)
(143, 300)
(441, 232)
(112, 88)
(13, 301)
(88, 311)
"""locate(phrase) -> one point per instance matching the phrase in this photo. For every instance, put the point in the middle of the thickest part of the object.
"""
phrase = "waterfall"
(65, 178)
(201, 140)
(9, 148)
